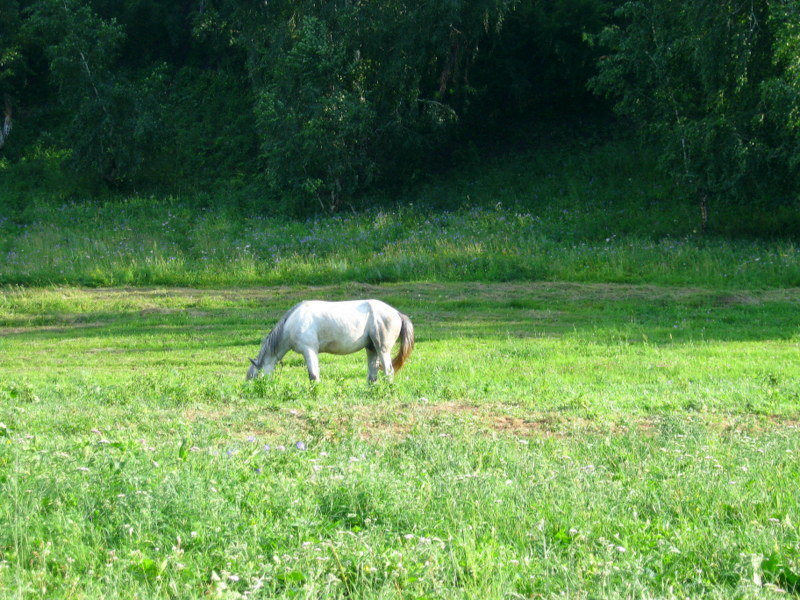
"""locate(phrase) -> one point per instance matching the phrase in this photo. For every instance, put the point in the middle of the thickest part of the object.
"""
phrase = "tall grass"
(576, 214)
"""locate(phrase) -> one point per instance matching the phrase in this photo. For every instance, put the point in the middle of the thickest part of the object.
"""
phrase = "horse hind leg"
(372, 365)
(383, 350)
(312, 364)
(386, 363)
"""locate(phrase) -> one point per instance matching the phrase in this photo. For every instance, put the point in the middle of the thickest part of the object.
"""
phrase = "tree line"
(322, 100)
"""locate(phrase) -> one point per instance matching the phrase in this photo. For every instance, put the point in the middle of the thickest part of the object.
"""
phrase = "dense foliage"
(716, 83)
(345, 88)
(316, 100)
(319, 101)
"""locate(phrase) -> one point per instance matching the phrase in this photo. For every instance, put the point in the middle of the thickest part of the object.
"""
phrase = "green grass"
(573, 213)
(549, 439)
(602, 403)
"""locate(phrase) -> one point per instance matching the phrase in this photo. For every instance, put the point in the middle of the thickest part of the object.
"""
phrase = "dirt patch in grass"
(171, 311)
(493, 418)
(4, 331)
(396, 422)
(193, 415)
(456, 408)
(738, 299)
(386, 424)
(784, 421)
(519, 427)
(756, 423)
(244, 424)
(163, 300)
(157, 311)
(109, 350)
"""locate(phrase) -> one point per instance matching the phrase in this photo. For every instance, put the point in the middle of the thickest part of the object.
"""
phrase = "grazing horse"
(315, 326)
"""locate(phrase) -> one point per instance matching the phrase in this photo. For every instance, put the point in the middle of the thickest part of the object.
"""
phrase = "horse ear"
(254, 363)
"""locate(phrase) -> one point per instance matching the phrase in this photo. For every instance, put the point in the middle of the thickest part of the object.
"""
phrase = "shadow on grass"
(601, 313)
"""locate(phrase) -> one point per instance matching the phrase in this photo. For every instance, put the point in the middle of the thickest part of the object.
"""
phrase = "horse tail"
(406, 343)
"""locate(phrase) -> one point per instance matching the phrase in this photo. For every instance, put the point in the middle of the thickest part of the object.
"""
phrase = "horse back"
(334, 327)
(344, 327)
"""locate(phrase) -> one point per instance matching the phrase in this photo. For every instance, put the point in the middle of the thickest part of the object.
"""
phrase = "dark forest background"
(313, 104)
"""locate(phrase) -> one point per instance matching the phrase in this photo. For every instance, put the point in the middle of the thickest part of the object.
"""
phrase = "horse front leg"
(312, 363)
(372, 366)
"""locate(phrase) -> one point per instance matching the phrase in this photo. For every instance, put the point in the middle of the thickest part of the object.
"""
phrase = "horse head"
(252, 372)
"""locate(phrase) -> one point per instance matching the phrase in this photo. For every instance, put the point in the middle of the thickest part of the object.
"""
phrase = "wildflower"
(266, 448)
(251, 438)
(300, 445)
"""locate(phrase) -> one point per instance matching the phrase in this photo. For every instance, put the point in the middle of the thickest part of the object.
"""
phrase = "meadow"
(545, 440)
(602, 403)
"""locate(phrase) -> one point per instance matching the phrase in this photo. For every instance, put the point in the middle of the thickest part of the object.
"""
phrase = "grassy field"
(608, 409)
(546, 440)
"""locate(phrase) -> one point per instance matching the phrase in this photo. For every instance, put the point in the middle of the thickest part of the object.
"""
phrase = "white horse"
(315, 326)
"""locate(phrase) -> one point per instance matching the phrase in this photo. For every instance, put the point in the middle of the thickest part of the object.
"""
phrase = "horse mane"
(270, 344)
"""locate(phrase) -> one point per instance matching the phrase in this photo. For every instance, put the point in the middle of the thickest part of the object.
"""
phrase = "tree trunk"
(703, 212)
(7, 123)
